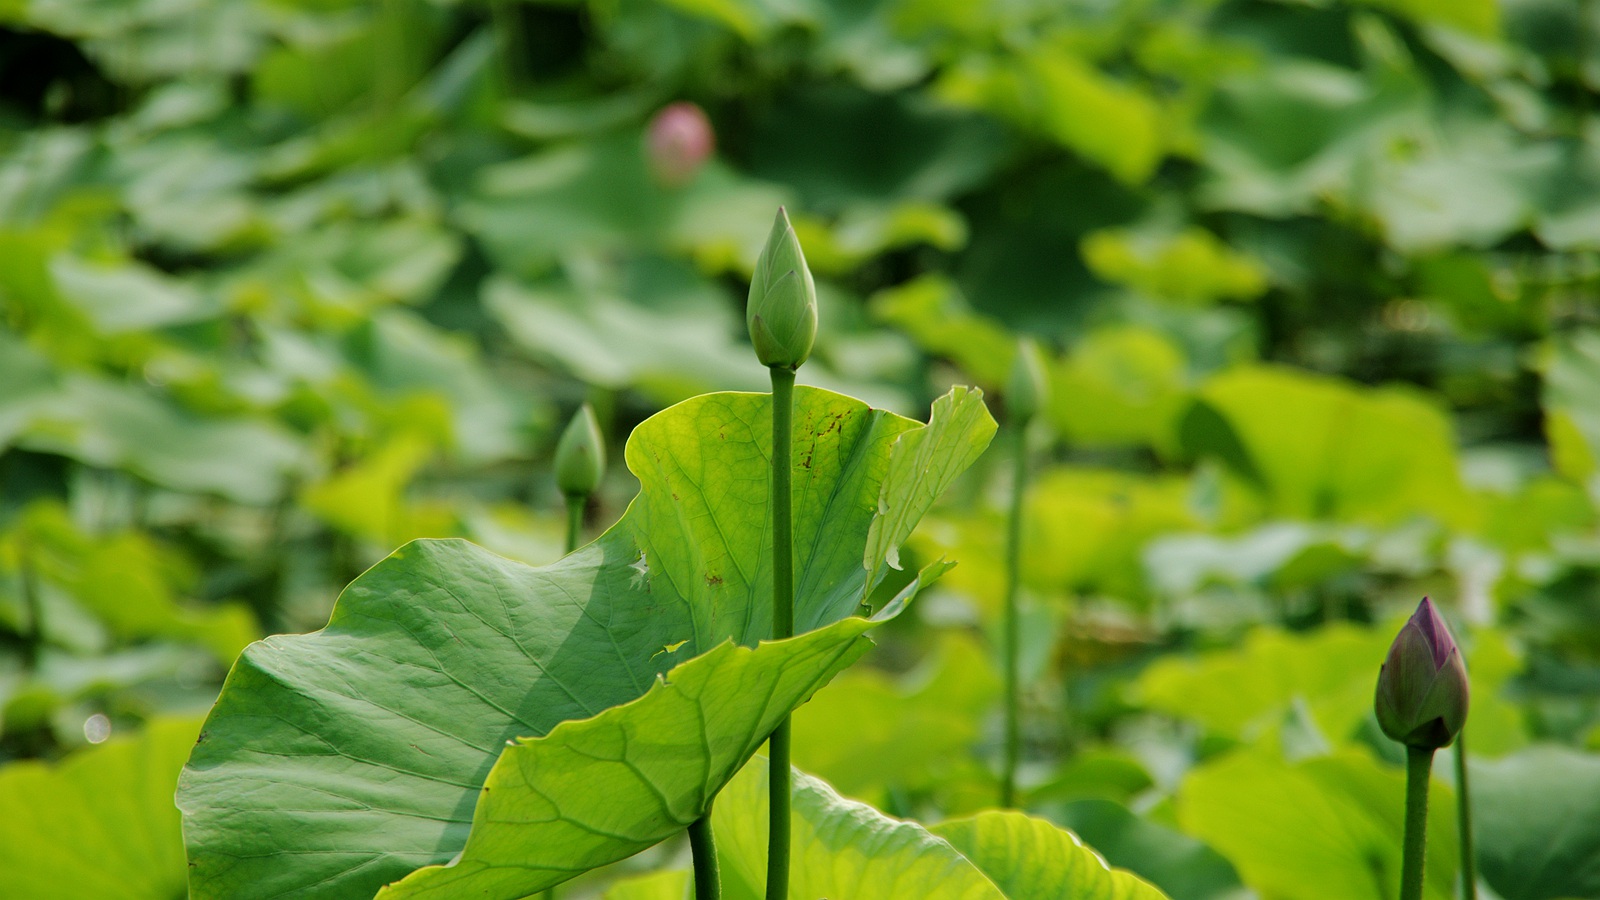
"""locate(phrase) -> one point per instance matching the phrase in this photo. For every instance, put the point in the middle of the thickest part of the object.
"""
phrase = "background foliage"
(288, 282)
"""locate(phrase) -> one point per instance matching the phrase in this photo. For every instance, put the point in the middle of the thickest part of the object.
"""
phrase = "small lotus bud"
(1422, 687)
(782, 310)
(1027, 389)
(677, 142)
(580, 455)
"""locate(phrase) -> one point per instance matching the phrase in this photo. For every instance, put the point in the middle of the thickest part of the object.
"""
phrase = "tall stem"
(575, 505)
(782, 539)
(707, 878)
(1469, 862)
(33, 636)
(778, 786)
(1419, 766)
(1011, 626)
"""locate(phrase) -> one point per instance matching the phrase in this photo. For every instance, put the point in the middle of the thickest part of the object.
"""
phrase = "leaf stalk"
(703, 847)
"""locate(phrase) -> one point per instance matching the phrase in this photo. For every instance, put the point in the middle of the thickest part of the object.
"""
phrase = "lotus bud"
(580, 455)
(677, 142)
(1422, 687)
(782, 310)
(1027, 389)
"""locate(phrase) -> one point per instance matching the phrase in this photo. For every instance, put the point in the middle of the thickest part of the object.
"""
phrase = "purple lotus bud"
(1422, 687)
(678, 142)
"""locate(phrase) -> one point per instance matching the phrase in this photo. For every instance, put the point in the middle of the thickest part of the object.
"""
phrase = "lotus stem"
(778, 785)
(1012, 627)
(1469, 862)
(575, 507)
(1419, 767)
(703, 847)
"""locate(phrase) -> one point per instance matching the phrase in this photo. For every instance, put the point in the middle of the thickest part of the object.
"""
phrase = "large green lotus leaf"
(405, 357)
(594, 791)
(1243, 693)
(139, 41)
(1537, 813)
(598, 196)
(672, 884)
(1085, 530)
(107, 423)
(1299, 129)
(100, 824)
(339, 761)
(127, 581)
(934, 313)
(909, 733)
(1056, 93)
(126, 297)
(1178, 864)
(1320, 447)
(669, 349)
(1571, 367)
(1192, 266)
(839, 847)
(846, 849)
(816, 138)
(1120, 385)
(112, 424)
(1031, 858)
(1326, 827)
(1480, 186)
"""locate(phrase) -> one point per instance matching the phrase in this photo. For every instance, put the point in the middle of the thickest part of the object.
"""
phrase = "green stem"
(33, 637)
(1469, 863)
(778, 787)
(575, 505)
(1012, 627)
(707, 879)
(1419, 766)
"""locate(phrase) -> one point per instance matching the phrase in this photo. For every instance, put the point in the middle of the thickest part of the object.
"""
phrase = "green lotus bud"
(580, 455)
(1422, 687)
(782, 309)
(1027, 389)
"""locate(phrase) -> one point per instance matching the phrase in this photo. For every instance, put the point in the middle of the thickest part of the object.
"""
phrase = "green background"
(287, 283)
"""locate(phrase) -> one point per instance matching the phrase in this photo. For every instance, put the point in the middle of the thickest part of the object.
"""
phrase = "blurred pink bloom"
(678, 142)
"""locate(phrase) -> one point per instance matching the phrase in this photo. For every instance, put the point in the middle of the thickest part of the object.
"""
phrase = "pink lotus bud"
(678, 142)
(1422, 687)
